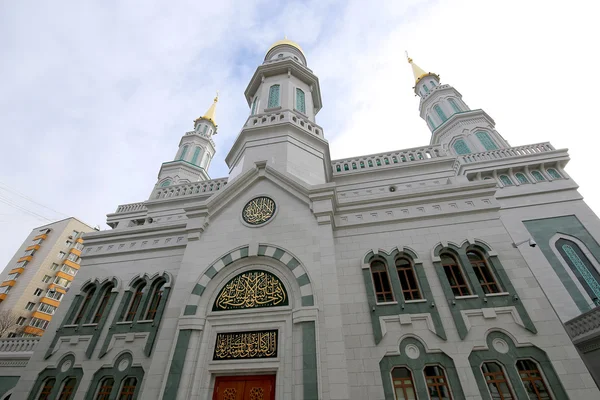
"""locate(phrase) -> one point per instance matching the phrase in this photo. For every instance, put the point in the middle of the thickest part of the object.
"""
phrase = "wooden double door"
(255, 387)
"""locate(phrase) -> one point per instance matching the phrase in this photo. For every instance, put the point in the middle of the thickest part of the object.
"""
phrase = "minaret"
(283, 97)
(196, 150)
(452, 123)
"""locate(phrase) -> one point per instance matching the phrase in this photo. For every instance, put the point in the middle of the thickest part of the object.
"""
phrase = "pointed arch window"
(437, 383)
(273, 96)
(455, 275)
(67, 390)
(486, 140)
(522, 178)
(47, 389)
(553, 173)
(300, 103)
(196, 155)
(381, 282)
(581, 266)
(532, 379)
(460, 147)
(440, 113)
(432, 83)
(103, 303)
(89, 294)
(254, 103)
(183, 152)
(483, 272)
(506, 181)
(106, 386)
(408, 279)
(496, 381)
(128, 389)
(404, 386)
(165, 183)
(205, 129)
(455, 106)
(537, 175)
(426, 89)
(430, 123)
(155, 298)
(135, 301)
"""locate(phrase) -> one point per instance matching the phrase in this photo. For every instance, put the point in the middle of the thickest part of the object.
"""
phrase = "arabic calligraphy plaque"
(246, 345)
(258, 210)
(251, 289)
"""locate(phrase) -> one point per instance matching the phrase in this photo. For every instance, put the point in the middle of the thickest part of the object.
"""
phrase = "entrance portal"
(256, 387)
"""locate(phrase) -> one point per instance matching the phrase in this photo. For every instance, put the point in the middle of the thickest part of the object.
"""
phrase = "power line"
(3, 186)
(23, 209)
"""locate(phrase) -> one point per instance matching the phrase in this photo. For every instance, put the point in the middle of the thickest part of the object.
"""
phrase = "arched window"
(205, 129)
(522, 178)
(381, 281)
(103, 303)
(404, 386)
(437, 383)
(426, 89)
(183, 152)
(454, 274)
(533, 380)
(440, 113)
(537, 175)
(430, 123)
(582, 268)
(486, 140)
(408, 279)
(254, 103)
(460, 147)
(47, 389)
(496, 381)
(89, 293)
(196, 155)
(165, 183)
(106, 386)
(67, 390)
(128, 389)
(506, 181)
(455, 106)
(300, 103)
(135, 301)
(483, 272)
(553, 173)
(155, 297)
(432, 83)
(273, 96)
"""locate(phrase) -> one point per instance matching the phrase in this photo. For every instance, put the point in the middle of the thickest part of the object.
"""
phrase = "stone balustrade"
(386, 160)
(187, 189)
(132, 207)
(18, 345)
(585, 324)
(432, 90)
(506, 153)
(283, 116)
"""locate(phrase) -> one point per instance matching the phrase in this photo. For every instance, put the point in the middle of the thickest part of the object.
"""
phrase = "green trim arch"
(121, 369)
(478, 300)
(400, 306)
(67, 363)
(507, 356)
(416, 365)
(264, 250)
(84, 327)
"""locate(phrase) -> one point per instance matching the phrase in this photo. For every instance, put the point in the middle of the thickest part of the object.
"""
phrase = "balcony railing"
(284, 116)
(188, 189)
(17, 345)
(386, 160)
(584, 325)
(125, 208)
(509, 152)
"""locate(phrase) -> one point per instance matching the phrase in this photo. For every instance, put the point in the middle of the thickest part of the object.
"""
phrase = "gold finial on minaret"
(209, 115)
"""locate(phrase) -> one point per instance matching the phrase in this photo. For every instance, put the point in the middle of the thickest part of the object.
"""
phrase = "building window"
(38, 323)
(13, 276)
(537, 175)
(155, 298)
(483, 272)
(432, 83)
(51, 294)
(75, 233)
(73, 257)
(430, 123)
(440, 113)
(522, 178)
(381, 281)
(62, 282)
(69, 270)
(128, 389)
(496, 381)
(196, 155)
(582, 268)
(165, 183)
(455, 106)
(61, 255)
(103, 303)
(135, 301)
(553, 173)
(460, 147)
(454, 275)
(30, 306)
(486, 141)
(532, 380)
(408, 279)
(68, 243)
(67, 389)
(54, 267)
(47, 389)
(506, 181)
(21, 321)
(425, 89)
(404, 387)
(46, 308)
(183, 152)
(89, 293)
(300, 103)
(273, 96)
(254, 103)
(437, 383)
(4, 289)
(106, 386)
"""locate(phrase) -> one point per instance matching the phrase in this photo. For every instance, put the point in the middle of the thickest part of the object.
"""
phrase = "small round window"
(258, 210)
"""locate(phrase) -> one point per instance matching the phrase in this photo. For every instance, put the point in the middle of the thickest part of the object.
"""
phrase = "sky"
(95, 95)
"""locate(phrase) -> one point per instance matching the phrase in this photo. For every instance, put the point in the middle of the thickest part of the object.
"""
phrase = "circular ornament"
(65, 366)
(412, 351)
(258, 211)
(123, 365)
(500, 345)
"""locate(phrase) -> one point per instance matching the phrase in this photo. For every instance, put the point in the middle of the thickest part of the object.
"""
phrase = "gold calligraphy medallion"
(239, 345)
(251, 289)
(258, 210)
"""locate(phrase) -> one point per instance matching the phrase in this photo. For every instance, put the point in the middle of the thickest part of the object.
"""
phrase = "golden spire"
(209, 115)
(418, 72)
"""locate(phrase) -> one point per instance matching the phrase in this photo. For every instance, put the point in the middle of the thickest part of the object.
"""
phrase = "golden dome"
(288, 42)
